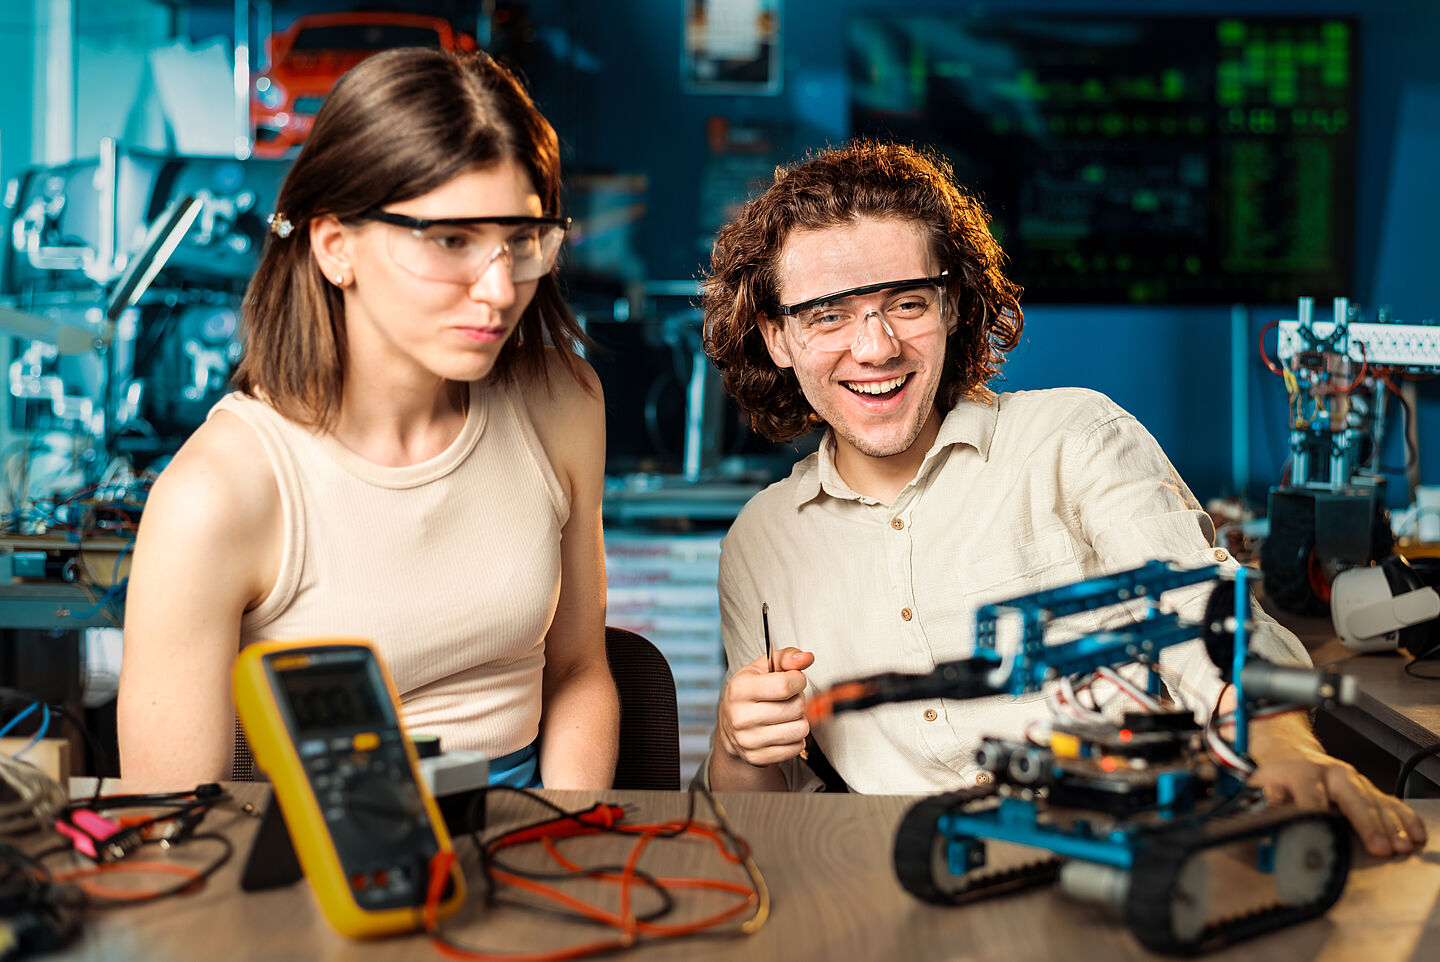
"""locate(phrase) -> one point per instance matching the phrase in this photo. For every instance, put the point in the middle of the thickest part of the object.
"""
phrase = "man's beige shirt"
(1034, 490)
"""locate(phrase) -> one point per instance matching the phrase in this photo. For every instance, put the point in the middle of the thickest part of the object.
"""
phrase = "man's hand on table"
(1294, 768)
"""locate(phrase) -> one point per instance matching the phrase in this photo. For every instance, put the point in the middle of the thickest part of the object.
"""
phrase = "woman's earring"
(339, 280)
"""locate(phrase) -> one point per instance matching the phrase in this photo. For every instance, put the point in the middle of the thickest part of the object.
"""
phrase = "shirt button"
(931, 714)
(906, 614)
(1220, 554)
(897, 523)
(982, 778)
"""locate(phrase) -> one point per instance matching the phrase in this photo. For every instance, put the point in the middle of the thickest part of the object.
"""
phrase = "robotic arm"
(1025, 669)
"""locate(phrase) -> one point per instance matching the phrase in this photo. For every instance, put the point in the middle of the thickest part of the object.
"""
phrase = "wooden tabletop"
(1408, 705)
(827, 862)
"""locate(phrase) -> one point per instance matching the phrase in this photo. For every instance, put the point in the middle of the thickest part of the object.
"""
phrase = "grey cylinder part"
(1092, 882)
(1301, 686)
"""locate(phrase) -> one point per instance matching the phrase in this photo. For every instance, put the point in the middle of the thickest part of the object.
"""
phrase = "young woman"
(414, 453)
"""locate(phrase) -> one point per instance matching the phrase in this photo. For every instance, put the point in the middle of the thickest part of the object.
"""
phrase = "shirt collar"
(970, 422)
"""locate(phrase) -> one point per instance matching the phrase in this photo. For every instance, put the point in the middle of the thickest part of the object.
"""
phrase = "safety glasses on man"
(835, 321)
(461, 249)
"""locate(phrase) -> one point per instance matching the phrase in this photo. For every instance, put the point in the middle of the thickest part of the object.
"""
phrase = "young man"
(863, 291)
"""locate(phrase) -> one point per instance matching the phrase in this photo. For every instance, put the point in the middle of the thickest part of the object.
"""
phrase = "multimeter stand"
(455, 810)
(271, 862)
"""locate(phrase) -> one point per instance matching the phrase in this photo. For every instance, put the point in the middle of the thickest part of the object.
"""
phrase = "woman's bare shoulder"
(565, 398)
(220, 478)
(567, 408)
(561, 383)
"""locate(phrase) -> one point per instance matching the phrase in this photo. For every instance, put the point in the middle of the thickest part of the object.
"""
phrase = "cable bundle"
(31, 800)
(92, 827)
(41, 910)
(633, 927)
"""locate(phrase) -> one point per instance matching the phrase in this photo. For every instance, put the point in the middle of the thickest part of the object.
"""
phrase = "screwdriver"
(769, 658)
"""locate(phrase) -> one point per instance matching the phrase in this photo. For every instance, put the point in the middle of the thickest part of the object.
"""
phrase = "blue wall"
(17, 75)
(616, 97)
(608, 76)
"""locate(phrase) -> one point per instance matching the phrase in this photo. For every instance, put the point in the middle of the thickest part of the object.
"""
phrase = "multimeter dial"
(354, 754)
(382, 810)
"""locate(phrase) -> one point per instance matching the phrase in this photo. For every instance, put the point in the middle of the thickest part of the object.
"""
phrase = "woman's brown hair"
(863, 178)
(399, 125)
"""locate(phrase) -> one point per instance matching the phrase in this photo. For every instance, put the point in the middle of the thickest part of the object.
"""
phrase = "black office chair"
(242, 762)
(649, 718)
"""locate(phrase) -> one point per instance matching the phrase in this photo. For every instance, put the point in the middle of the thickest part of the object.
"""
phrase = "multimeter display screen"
(333, 696)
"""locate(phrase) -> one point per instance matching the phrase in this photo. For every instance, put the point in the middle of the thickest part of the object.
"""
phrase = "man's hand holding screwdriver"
(761, 720)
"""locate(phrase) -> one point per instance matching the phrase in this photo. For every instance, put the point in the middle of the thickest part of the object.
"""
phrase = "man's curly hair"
(863, 178)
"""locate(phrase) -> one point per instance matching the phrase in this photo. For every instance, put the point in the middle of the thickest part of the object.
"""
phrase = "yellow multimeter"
(322, 722)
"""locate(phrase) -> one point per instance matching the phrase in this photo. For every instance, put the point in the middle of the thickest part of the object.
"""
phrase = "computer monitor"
(1134, 159)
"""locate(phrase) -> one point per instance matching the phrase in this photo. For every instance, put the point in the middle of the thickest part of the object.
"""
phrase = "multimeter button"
(359, 882)
(335, 813)
(312, 746)
(382, 878)
(365, 741)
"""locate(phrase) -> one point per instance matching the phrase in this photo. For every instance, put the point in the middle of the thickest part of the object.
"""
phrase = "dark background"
(608, 75)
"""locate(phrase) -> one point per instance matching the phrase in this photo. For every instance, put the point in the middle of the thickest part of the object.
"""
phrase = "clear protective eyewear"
(835, 322)
(460, 250)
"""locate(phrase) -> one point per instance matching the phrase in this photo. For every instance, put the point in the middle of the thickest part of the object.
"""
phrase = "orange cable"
(629, 926)
(100, 891)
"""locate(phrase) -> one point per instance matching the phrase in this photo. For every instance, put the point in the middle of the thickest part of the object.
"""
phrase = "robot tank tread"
(1165, 893)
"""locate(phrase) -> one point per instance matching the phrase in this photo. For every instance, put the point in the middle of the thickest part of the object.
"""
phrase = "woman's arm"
(208, 548)
(580, 724)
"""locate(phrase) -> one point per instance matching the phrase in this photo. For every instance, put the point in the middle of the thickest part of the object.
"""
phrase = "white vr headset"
(1390, 605)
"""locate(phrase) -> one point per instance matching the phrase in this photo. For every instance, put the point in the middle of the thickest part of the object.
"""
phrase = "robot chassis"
(1128, 812)
(1330, 514)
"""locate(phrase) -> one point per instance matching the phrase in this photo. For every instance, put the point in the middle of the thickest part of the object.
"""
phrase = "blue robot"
(1130, 813)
